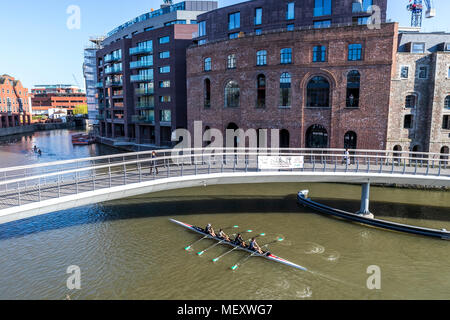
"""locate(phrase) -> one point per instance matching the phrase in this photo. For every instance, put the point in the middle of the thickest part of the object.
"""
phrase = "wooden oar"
(254, 253)
(235, 248)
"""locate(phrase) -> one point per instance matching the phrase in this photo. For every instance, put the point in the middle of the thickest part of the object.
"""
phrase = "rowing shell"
(270, 256)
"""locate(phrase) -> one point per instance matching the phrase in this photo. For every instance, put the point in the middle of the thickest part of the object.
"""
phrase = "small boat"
(268, 255)
(82, 139)
(303, 199)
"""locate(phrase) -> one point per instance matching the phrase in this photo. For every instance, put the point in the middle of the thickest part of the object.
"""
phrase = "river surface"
(128, 249)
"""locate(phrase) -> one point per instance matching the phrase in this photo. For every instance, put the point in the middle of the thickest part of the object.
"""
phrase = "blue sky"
(38, 48)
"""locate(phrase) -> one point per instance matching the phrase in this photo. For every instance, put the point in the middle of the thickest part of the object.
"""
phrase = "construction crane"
(416, 7)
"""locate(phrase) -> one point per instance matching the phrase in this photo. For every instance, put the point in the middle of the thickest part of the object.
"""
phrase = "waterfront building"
(141, 72)
(66, 96)
(324, 87)
(14, 103)
(420, 94)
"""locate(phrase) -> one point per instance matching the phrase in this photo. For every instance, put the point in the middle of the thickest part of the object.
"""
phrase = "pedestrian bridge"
(32, 190)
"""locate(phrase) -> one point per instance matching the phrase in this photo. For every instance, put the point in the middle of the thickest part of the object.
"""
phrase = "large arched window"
(316, 137)
(353, 84)
(444, 155)
(285, 90)
(350, 140)
(232, 94)
(207, 95)
(284, 138)
(318, 92)
(447, 102)
(261, 91)
(411, 101)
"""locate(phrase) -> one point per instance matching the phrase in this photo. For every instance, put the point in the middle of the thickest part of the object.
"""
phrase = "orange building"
(60, 96)
(14, 103)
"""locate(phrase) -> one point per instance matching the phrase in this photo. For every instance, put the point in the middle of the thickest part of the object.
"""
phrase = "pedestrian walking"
(153, 165)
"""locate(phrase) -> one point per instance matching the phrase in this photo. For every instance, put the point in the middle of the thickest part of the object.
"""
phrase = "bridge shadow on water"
(141, 207)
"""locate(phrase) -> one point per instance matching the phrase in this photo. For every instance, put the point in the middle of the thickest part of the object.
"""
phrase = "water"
(128, 249)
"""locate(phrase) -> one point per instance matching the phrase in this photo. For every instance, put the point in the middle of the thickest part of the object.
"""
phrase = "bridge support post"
(365, 195)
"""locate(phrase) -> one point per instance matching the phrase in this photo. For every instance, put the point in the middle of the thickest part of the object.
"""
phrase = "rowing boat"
(268, 256)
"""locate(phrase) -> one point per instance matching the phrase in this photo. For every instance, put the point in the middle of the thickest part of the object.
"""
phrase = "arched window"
(350, 140)
(261, 58)
(447, 102)
(318, 92)
(285, 90)
(353, 84)
(207, 65)
(284, 138)
(316, 137)
(397, 155)
(232, 94)
(207, 96)
(261, 91)
(410, 101)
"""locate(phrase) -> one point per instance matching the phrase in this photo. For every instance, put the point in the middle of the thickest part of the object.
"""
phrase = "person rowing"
(224, 236)
(254, 246)
(210, 230)
(239, 241)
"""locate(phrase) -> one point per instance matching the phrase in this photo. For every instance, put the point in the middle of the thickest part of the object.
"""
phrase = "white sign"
(280, 162)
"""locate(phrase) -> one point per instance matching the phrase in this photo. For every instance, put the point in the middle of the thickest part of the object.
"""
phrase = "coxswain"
(254, 246)
(210, 230)
(223, 235)
(239, 241)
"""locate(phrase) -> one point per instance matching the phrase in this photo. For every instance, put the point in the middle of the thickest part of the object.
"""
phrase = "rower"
(224, 236)
(239, 241)
(210, 230)
(254, 246)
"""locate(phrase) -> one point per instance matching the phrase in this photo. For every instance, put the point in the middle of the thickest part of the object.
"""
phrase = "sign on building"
(280, 162)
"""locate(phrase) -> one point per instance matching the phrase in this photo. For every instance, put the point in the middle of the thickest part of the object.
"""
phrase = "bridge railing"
(40, 182)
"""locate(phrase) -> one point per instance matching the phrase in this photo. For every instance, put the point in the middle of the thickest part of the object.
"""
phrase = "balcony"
(140, 50)
(144, 91)
(113, 69)
(99, 85)
(145, 105)
(143, 119)
(109, 59)
(100, 117)
(360, 8)
(141, 64)
(114, 83)
(141, 78)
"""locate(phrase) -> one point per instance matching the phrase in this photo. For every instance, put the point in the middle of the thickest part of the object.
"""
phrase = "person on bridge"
(239, 241)
(35, 149)
(39, 152)
(224, 236)
(209, 229)
(347, 157)
(254, 246)
(153, 165)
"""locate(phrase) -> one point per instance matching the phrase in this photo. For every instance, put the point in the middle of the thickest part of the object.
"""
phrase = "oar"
(222, 241)
(235, 248)
(189, 247)
(254, 253)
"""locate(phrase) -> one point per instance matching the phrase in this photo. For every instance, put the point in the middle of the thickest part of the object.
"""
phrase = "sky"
(39, 48)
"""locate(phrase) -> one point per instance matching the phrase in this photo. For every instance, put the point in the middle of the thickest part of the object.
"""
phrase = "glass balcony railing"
(99, 85)
(113, 69)
(141, 78)
(112, 58)
(111, 83)
(145, 91)
(141, 64)
(361, 7)
(143, 119)
(100, 117)
(322, 11)
(140, 50)
(145, 105)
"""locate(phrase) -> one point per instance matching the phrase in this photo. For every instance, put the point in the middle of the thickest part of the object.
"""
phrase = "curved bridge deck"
(32, 190)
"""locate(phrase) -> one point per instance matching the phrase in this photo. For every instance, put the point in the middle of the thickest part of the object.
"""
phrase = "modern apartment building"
(420, 95)
(90, 76)
(59, 96)
(14, 103)
(142, 74)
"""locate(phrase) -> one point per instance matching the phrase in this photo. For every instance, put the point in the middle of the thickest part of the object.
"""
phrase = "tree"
(80, 109)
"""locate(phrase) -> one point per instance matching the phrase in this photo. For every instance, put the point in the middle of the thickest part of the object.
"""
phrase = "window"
(284, 139)
(286, 56)
(202, 42)
(418, 48)
(322, 8)
(202, 29)
(446, 122)
(165, 116)
(164, 99)
(232, 93)
(361, 21)
(316, 137)
(319, 53)
(410, 101)
(258, 32)
(164, 84)
(290, 27)
(234, 20)
(261, 91)
(318, 93)
(447, 47)
(285, 90)
(164, 55)
(322, 24)
(408, 121)
(361, 6)
(447, 102)
(354, 52)
(350, 140)
(422, 72)
(233, 35)
(165, 69)
(261, 58)
(165, 39)
(353, 85)
(290, 13)
(148, 29)
(231, 61)
(207, 64)
(258, 16)
(404, 72)
(207, 95)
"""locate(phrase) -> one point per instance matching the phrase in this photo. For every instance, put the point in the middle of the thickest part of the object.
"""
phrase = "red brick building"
(58, 96)
(327, 87)
(14, 103)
